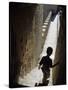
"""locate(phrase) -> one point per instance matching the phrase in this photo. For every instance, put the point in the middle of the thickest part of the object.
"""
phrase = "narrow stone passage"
(36, 75)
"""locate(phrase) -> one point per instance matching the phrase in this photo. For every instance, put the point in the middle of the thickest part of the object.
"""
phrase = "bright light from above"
(45, 23)
(42, 34)
(44, 26)
(43, 30)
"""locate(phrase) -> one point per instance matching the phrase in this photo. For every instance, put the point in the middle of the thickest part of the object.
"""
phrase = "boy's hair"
(49, 51)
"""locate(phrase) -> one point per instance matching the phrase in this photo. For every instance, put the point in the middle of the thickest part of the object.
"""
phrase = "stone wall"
(59, 72)
(25, 38)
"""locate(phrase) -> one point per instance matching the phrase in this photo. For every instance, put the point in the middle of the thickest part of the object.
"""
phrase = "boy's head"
(49, 51)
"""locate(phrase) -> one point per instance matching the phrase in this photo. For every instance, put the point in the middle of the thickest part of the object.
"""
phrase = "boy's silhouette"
(45, 64)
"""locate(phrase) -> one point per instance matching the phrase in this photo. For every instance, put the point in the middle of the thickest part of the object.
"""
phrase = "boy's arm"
(40, 63)
(55, 64)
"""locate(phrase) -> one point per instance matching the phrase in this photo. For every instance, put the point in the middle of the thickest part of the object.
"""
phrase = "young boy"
(45, 64)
